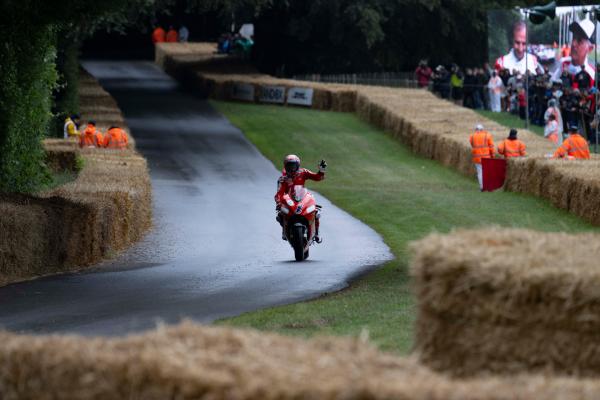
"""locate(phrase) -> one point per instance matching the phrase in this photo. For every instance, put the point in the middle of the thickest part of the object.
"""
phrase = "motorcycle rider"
(293, 175)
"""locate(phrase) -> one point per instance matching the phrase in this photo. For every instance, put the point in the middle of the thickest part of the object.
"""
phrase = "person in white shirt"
(496, 88)
(584, 37)
(518, 59)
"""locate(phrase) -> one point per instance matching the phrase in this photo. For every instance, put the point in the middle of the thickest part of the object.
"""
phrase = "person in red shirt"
(293, 175)
(158, 35)
(423, 74)
(522, 103)
(172, 36)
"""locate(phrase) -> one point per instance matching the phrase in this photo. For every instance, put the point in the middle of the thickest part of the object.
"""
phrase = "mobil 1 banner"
(243, 91)
(300, 96)
(272, 94)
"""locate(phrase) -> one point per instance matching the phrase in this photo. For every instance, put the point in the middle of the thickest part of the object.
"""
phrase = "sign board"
(300, 96)
(272, 94)
(243, 91)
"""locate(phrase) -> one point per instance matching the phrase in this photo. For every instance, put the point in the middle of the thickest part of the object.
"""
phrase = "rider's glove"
(322, 166)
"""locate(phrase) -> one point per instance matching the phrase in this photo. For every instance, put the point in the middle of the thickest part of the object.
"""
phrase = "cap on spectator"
(573, 128)
(585, 29)
(512, 134)
(478, 127)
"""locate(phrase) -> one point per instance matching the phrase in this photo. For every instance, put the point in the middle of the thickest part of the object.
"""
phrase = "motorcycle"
(299, 211)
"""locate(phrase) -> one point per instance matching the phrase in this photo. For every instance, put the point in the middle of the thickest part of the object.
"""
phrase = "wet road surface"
(215, 250)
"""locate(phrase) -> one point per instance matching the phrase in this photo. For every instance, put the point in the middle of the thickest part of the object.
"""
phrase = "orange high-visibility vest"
(91, 137)
(482, 146)
(158, 35)
(574, 146)
(172, 36)
(116, 138)
(512, 148)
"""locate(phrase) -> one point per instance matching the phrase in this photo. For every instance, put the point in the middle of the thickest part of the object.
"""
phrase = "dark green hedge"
(27, 78)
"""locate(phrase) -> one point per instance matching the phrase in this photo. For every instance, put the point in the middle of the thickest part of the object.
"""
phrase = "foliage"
(27, 77)
(337, 36)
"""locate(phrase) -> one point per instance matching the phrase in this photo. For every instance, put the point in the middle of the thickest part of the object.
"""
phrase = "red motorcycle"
(299, 211)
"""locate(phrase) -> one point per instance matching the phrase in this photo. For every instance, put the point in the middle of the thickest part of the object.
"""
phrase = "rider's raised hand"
(322, 166)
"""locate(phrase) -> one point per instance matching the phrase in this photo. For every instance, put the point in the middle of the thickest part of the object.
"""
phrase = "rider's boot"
(279, 219)
(317, 237)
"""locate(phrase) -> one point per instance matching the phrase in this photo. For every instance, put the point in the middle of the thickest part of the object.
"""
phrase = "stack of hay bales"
(508, 301)
(191, 362)
(431, 127)
(105, 209)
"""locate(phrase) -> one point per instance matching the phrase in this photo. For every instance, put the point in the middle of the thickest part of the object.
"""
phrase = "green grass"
(402, 196)
(511, 121)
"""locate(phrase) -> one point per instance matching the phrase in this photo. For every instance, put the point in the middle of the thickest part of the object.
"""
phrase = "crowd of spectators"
(234, 43)
(571, 97)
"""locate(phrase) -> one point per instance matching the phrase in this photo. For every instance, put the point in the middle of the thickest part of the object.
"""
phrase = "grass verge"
(402, 196)
(511, 121)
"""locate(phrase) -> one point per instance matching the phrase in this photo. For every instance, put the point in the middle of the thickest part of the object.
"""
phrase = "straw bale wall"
(431, 127)
(507, 301)
(105, 209)
(190, 362)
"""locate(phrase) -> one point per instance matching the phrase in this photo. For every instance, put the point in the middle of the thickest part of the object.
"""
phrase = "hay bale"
(507, 301)
(106, 209)
(190, 361)
(432, 127)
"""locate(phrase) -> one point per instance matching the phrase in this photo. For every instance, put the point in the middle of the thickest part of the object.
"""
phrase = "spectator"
(482, 94)
(553, 110)
(495, 87)
(71, 127)
(423, 74)
(470, 88)
(456, 84)
(522, 101)
(511, 146)
(184, 34)
(551, 130)
(171, 35)
(158, 35)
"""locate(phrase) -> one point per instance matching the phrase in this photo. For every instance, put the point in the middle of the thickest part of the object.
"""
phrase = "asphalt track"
(215, 250)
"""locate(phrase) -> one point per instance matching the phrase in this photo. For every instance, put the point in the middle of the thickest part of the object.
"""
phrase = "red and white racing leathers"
(284, 184)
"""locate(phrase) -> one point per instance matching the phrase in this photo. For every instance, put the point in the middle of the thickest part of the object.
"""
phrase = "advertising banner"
(243, 91)
(272, 94)
(300, 96)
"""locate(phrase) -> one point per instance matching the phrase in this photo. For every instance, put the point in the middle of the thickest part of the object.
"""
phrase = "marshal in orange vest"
(116, 138)
(575, 146)
(511, 146)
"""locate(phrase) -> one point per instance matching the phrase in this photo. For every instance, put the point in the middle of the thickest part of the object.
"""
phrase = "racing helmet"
(291, 164)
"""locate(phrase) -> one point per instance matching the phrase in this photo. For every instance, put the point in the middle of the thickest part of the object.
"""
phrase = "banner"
(243, 91)
(494, 173)
(272, 94)
(300, 96)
